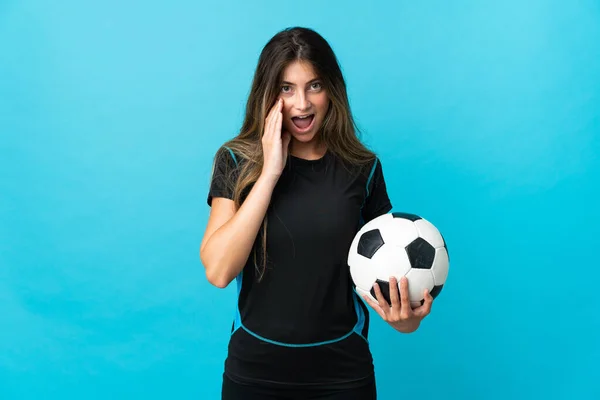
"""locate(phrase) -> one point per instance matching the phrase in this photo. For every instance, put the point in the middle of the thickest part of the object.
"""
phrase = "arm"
(230, 234)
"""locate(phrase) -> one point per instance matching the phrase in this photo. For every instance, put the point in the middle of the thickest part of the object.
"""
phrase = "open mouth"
(303, 123)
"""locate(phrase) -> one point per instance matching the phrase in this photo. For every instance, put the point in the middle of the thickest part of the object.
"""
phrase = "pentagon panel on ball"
(399, 244)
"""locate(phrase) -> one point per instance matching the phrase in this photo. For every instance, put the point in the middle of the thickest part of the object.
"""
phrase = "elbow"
(218, 281)
(214, 274)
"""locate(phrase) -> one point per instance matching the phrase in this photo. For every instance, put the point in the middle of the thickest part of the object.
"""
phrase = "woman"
(287, 196)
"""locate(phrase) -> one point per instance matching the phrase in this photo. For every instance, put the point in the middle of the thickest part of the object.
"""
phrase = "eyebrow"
(293, 84)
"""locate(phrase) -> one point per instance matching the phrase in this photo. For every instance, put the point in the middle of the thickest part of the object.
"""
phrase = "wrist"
(268, 178)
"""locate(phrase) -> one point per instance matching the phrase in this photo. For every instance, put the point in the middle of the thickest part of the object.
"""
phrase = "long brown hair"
(338, 131)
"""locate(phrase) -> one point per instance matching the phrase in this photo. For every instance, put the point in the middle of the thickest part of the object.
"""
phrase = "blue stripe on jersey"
(371, 176)
(238, 318)
(360, 218)
(232, 155)
(297, 345)
(360, 314)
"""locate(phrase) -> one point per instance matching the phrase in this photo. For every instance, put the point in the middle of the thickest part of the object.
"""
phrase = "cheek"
(321, 103)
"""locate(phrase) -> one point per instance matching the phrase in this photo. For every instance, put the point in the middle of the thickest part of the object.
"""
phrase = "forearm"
(227, 250)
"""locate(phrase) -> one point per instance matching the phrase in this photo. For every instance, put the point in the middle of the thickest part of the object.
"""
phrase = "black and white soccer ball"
(399, 244)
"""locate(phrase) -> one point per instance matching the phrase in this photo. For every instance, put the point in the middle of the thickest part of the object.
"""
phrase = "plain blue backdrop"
(486, 116)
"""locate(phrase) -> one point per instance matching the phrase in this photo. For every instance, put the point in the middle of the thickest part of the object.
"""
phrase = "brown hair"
(338, 131)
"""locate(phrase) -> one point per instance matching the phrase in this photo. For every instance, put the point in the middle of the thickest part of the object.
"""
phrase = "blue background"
(486, 116)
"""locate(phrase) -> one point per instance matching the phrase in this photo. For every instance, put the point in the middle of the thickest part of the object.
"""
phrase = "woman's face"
(305, 101)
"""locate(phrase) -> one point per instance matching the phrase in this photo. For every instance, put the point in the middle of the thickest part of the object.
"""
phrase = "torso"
(303, 323)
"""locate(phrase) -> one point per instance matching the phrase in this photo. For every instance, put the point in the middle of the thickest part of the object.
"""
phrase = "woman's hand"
(400, 315)
(275, 143)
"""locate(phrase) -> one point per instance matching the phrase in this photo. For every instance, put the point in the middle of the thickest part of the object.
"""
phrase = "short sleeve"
(223, 176)
(377, 201)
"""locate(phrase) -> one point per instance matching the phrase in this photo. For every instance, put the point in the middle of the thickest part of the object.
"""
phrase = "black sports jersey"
(303, 323)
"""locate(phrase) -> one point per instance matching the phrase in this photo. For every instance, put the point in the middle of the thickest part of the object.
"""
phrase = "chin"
(303, 137)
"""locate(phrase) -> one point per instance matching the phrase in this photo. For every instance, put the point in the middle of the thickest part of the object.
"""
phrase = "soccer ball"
(399, 244)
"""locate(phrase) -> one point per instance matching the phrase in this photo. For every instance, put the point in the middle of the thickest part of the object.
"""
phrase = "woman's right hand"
(275, 143)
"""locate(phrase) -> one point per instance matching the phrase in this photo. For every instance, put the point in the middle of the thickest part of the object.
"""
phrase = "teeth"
(304, 117)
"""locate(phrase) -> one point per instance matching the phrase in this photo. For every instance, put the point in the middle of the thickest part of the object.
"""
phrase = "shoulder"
(374, 166)
(226, 154)
(227, 160)
(368, 169)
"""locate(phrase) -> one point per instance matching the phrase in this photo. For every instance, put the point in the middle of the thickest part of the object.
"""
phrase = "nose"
(302, 102)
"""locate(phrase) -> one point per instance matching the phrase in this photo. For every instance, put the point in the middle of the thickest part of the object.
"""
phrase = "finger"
(374, 306)
(278, 123)
(270, 117)
(405, 307)
(269, 122)
(394, 295)
(276, 110)
(277, 119)
(380, 299)
(267, 127)
(424, 309)
(428, 298)
(276, 107)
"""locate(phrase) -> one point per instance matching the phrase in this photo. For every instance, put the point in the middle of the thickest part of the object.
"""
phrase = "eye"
(285, 88)
(316, 86)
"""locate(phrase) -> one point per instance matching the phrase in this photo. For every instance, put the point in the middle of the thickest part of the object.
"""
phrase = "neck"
(312, 150)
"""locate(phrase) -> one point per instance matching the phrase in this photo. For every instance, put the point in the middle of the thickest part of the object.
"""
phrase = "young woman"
(287, 196)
